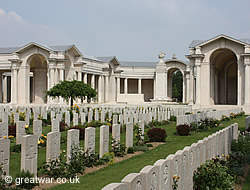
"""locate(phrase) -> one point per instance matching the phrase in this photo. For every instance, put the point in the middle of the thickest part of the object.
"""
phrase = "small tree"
(71, 90)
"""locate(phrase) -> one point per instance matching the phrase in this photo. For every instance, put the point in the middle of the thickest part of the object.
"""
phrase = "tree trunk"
(71, 102)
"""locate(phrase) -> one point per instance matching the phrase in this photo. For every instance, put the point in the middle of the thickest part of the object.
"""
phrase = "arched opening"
(38, 79)
(175, 85)
(224, 77)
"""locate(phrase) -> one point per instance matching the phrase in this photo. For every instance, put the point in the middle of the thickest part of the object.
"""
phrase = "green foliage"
(117, 148)
(172, 118)
(236, 162)
(177, 82)
(22, 116)
(62, 126)
(75, 166)
(71, 90)
(108, 158)
(204, 124)
(23, 185)
(94, 123)
(175, 182)
(155, 123)
(139, 136)
(15, 148)
(242, 144)
(157, 135)
(130, 150)
(183, 130)
(54, 168)
(3, 184)
(213, 174)
(225, 118)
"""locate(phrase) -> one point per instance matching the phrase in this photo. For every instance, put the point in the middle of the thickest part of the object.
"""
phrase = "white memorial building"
(217, 73)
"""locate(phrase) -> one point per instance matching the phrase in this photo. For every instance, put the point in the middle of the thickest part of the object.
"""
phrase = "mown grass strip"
(115, 173)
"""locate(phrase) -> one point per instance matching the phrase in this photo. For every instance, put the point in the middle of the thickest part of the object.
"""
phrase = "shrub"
(165, 122)
(183, 130)
(117, 148)
(242, 144)
(62, 126)
(213, 175)
(22, 116)
(108, 158)
(23, 185)
(15, 148)
(194, 126)
(225, 118)
(130, 150)
(82, 131)
(139, 136)
(93, 124)
(172, 118)
(157, 135)
(153, 123)
(236, 162)
(12, 130)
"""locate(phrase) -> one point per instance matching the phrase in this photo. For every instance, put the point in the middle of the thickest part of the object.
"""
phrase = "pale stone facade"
(217, 73)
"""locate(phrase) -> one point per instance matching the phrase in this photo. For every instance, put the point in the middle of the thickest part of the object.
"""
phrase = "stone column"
(239, 74)
(139, 86)
(154, 87)
(166, 83)
(14, 86)
(51, 68)
(100, 89)
(184, 89)
(92, 84)
(1, 87)
(247, 80)
(61, 79)
(5, 89)
(112, 88)
(85, 78)
(188, 89)
(79, 76)
(191, 91)
(56, 76)
(93, 81)
(61, 74)
(118, 87)
(198, 81)
(106, 89)
(212, 86)
(52, 77)
(125, 86)
(85, 81)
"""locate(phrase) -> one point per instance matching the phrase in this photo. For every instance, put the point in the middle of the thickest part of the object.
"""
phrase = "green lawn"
(116, 172)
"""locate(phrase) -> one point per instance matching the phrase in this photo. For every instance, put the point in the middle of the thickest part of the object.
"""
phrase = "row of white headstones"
(187, 119)
(182, 164)
(29, 142)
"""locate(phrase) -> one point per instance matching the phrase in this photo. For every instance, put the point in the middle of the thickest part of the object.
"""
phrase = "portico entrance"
(224, 74)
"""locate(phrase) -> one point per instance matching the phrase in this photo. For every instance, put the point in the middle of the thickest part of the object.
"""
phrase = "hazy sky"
(134, 30)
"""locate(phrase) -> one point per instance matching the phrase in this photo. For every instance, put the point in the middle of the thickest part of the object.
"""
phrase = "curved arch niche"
(38, 79)
(224, 77)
